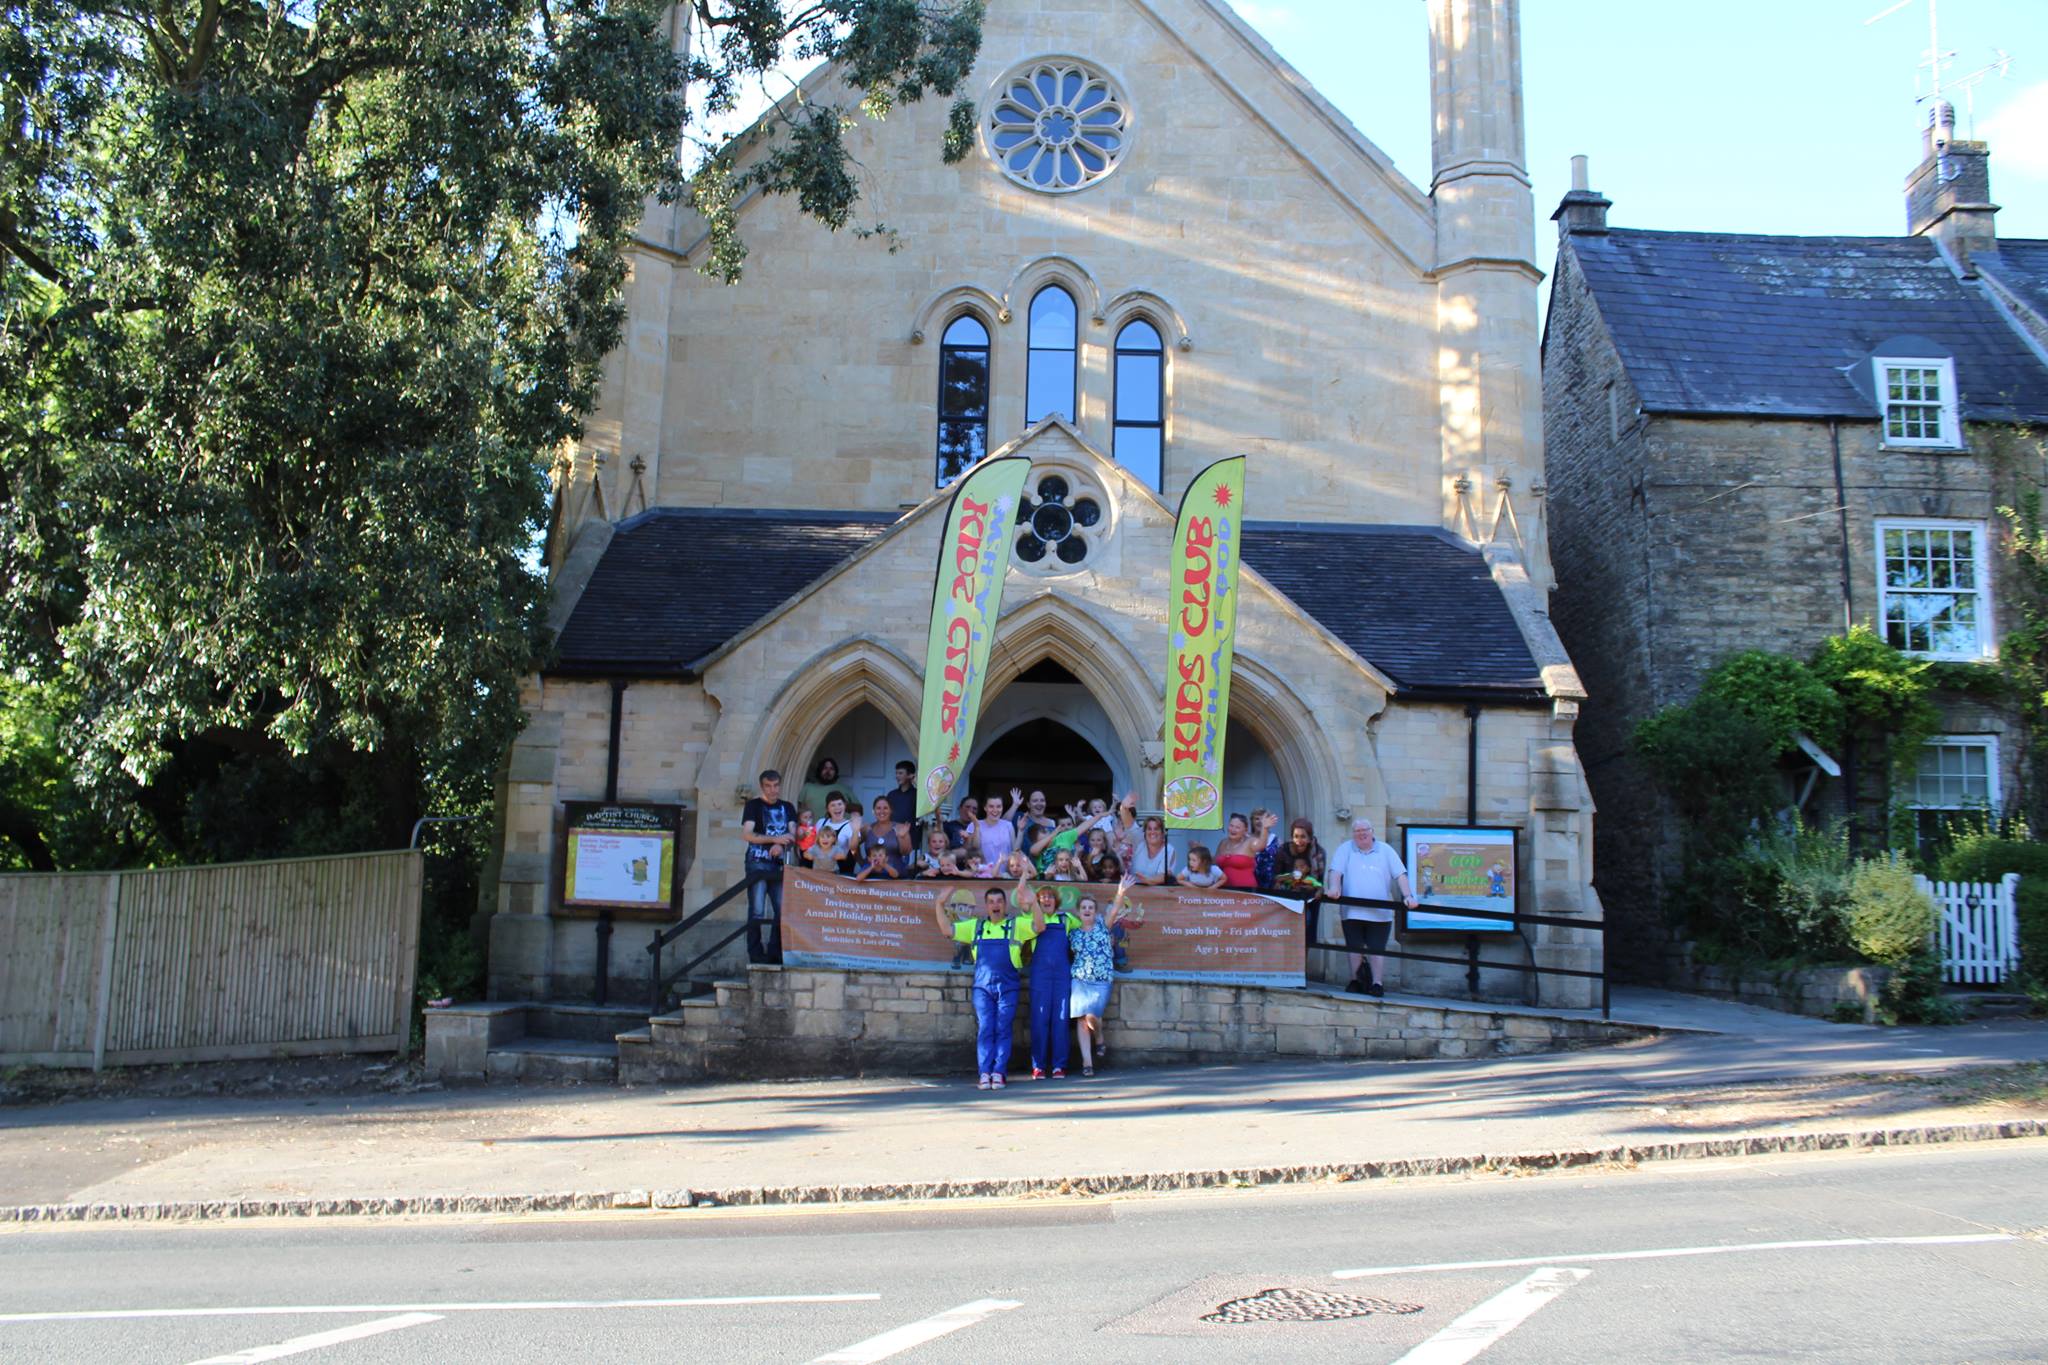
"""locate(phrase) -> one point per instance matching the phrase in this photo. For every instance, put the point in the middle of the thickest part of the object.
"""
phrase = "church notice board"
(1459, 867)
(621, 856)
(1231, 938)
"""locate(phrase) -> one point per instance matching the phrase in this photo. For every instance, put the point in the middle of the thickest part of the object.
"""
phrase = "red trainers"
(1059, 1073)
(1037, 1074)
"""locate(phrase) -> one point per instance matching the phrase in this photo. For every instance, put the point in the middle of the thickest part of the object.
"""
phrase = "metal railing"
(1472, 962)
(657, 983)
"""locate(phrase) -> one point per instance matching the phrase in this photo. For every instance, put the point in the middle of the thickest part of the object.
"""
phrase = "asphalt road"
(1898, 1256)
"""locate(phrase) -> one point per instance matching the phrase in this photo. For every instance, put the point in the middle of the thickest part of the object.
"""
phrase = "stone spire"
(1489, 372)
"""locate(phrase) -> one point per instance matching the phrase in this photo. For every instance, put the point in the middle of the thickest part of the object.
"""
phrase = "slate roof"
(1786, 326)
(1416, 602)
(677, 583)
(2021, 267)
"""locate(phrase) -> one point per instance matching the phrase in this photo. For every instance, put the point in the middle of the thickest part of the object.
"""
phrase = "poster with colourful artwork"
(1459, 867)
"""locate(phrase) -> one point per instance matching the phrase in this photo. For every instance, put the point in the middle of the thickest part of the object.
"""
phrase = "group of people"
(1093, 842)
(1072, 969)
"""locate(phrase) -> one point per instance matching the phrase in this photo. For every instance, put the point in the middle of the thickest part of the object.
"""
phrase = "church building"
(1164, 249)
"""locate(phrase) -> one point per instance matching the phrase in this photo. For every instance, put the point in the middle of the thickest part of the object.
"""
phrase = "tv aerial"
(1937, 59)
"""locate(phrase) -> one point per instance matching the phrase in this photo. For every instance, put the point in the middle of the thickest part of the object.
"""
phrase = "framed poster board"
(620, 856)
(1454, 867)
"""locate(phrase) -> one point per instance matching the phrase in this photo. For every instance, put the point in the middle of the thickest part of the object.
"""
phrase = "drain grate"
(1302, 1305)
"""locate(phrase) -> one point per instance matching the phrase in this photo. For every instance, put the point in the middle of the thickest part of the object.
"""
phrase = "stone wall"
(1679, 540)
(1363, 341)
(789, 1023)
(1823, 992)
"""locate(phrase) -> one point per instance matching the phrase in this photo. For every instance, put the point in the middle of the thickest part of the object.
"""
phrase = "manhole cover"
(1302, 1305)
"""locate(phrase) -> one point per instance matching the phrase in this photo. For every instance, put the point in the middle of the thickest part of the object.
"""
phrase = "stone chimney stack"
(1948, 195)
(1582, 211)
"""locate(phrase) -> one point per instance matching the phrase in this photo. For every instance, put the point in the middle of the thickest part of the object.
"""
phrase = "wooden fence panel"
(52, 927)
(294, 956)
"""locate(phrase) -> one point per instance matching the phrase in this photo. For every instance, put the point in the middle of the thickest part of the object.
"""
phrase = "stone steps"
(553, 1060)
(1990, 1004)
(547, 1041)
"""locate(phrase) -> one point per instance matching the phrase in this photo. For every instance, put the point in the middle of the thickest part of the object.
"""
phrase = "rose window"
(1056, 523)
(1057, 125)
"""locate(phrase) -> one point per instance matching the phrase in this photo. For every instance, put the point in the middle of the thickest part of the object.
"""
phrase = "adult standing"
(1094, 971)
(1152, 860)
(1281, 866)
(768, 825)
(824, 781)
(1034, 826)
(1237, 855)
(1368, 869)
(887, 833)
(997, 938)
(839, 834)
(903, 796)
(1052, 983)
(994, 837)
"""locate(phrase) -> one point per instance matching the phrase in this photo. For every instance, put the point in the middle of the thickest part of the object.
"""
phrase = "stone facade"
(1682, 537)
(1369, 345)
(780, 1023)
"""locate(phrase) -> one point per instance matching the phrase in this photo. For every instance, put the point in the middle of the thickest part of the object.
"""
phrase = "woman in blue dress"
(1094, 969)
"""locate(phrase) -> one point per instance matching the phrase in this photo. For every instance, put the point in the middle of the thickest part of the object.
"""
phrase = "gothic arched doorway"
(1042, 755)
(867, 749)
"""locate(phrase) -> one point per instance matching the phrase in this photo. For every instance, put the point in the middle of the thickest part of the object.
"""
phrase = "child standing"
(998, 938)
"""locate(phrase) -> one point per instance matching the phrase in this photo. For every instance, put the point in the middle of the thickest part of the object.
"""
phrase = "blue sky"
(1714, 115)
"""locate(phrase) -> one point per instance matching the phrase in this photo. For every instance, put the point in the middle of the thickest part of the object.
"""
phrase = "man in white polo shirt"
(1368, 869)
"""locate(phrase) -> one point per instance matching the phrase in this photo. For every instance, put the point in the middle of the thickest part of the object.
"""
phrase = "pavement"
(1721, 1079)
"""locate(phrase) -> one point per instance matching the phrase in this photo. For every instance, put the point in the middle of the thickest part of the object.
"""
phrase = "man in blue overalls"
(1052, 982)
(998, 938)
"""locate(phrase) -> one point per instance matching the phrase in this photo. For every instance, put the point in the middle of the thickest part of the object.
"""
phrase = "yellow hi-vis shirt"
(1017, 928)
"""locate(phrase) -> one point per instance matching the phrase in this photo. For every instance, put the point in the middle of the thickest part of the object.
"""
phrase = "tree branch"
(10, 242)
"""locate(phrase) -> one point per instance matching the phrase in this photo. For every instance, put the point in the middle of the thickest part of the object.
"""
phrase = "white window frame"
(1994, 800)
(1986, 634)
(1951, 436)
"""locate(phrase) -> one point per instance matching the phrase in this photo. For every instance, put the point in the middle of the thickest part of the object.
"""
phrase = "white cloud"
(2014, 131)
(1265, 17)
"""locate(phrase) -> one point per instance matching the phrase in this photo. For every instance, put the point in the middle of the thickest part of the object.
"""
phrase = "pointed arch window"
(963, 396)
(1049, 367)
(1138, 435)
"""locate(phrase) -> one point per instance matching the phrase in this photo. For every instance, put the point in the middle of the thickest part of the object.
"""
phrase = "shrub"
(1889, 917)
(1812, 896)
(1780, 693)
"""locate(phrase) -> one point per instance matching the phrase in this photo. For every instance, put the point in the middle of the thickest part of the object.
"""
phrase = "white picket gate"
(1979, 931)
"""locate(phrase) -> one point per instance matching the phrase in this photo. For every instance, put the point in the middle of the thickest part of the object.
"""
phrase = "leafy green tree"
(297, 302)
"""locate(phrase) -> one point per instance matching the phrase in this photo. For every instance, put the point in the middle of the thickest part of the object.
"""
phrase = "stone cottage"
(1754, 442)
(1166, 248)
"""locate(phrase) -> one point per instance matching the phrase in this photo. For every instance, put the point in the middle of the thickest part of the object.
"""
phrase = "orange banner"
(1172, 933)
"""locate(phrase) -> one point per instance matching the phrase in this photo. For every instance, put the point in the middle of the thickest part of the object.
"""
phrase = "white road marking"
(1479, 1328)
(1664, 1252)
(900, 1339)
(358, 1309)
(322, 1339)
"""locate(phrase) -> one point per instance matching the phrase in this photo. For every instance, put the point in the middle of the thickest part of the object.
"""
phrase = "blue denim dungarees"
(1052, 984)
(995, 992)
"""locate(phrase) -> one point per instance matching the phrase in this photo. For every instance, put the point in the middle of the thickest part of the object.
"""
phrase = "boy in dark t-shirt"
(768, 824)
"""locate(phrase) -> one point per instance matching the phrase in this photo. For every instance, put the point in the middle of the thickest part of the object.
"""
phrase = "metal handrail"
(656, 981)
(1472, 962)
(680, 927)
